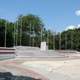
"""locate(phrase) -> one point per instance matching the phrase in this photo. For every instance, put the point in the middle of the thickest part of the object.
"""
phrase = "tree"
(9, 34)
(2, 32)
(31, 27)
(70, 39)
(8, 26)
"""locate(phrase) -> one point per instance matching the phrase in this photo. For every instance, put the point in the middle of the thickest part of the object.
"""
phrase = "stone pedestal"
(44, 46)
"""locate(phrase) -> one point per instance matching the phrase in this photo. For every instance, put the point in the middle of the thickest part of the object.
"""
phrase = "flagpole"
(65, 41)
(54, 35)
(54, 40)
(30, 36)
(47, 40)
(33, 37)
(59, 41)
(71, 41)
(14, 35)
(16, 32)
(41, 33)
(5, 33)
(21, 33)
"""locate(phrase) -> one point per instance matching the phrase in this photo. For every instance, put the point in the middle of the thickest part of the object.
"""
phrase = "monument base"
(44, 46)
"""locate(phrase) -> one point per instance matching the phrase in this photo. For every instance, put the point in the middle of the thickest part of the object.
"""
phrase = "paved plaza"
(55, 69)
(44, 65)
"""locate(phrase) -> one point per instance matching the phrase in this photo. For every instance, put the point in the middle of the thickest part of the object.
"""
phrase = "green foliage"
(70, 39)
(31, 27)
(29, 30)
(2, 32)
(25, 31)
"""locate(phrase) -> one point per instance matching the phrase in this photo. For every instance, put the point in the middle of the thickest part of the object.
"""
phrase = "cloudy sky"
(57, 15)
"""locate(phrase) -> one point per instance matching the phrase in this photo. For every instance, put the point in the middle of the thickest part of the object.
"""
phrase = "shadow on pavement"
(10, 76)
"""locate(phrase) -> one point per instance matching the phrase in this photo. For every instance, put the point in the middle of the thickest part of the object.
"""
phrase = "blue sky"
(56, 14)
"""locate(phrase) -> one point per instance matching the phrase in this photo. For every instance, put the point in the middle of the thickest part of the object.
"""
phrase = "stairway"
(22, 51)
(6, 53)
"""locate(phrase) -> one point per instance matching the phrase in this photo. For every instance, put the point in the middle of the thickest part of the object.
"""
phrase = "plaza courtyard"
(43, 69)
(42, 65)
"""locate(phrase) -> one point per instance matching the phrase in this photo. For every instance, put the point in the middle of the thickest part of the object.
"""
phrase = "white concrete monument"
(43, 46)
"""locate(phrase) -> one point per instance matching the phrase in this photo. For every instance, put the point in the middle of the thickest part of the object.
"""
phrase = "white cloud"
(77, 12)
(70, 27)
(78, 26)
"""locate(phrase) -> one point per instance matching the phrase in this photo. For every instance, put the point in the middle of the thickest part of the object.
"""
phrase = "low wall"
(6, 53)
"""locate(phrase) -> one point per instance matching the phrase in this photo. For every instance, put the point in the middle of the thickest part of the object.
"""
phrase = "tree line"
(29, 30)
